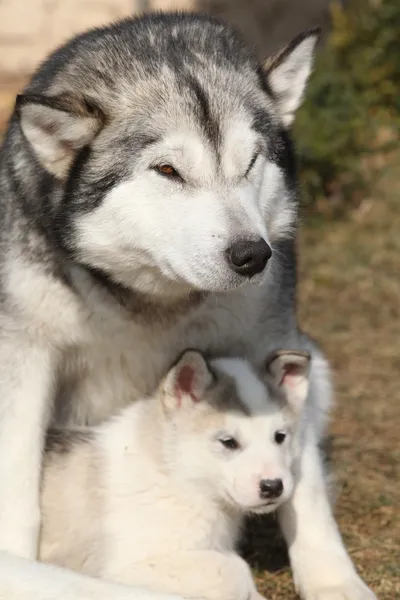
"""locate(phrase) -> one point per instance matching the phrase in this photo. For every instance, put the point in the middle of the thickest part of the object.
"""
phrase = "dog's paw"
(350, 589)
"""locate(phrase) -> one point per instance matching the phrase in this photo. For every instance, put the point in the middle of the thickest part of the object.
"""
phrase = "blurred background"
(347, 136)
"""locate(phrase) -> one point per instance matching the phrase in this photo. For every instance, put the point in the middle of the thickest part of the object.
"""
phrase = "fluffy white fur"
(155, 498)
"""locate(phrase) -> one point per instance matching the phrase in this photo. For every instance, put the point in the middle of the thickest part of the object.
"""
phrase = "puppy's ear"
(57, 128)
(288, 371)
(287, 73)
(186, 383)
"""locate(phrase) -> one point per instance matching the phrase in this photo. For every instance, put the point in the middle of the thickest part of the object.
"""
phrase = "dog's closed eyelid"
(253, 161)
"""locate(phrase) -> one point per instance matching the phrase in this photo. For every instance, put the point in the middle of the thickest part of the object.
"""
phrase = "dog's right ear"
(287, 73)
(186, 383)
(57, 128)
(288, 371)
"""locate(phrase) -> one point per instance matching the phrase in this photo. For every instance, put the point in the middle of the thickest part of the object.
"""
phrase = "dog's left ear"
(288, 371)
(287, 73)
(187, 382)
(57, 128)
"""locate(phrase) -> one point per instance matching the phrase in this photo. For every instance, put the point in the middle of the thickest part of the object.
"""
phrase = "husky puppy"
(155, 496)
(148, 203)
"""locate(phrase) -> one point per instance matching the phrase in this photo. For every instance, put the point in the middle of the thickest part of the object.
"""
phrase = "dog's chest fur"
(120, 358)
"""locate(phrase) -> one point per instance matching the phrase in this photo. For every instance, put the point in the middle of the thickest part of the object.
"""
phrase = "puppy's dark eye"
(230, 443)
(167, 171)
(280, 437)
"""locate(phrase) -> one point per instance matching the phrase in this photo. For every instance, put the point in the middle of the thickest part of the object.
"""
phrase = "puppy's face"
(232, 432)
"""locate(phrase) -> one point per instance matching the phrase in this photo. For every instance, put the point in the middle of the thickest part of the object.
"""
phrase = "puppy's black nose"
(271, 488)
(249, 257)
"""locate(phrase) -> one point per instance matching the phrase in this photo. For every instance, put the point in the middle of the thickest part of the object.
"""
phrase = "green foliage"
(353, 98)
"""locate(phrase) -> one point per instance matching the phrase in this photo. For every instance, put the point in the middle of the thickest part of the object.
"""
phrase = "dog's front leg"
(26, 375)
(205, 574)
(21, 579)
(322, 569)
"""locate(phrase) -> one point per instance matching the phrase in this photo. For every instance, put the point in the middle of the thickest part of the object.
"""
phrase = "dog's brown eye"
(280, 437)
(168, 171)
(229, 443)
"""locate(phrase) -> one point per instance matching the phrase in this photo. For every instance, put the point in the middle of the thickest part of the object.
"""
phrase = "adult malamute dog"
(149, 204)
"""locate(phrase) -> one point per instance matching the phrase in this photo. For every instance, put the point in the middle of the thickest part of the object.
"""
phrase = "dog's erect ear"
(186, 382)
(57, 128)
(289, 372)
(287, 73)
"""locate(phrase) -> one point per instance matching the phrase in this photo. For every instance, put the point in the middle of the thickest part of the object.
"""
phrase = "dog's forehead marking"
(251, 391)
(205, 106)
(225, 105)
(209, 119)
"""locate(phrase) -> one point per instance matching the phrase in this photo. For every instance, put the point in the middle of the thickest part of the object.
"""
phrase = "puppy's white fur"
(155, 497)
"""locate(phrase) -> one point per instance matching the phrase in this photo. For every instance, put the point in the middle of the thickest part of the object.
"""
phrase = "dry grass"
(350, 301)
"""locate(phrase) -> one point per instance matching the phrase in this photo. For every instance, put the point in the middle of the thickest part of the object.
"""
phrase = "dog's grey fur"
(108, 269)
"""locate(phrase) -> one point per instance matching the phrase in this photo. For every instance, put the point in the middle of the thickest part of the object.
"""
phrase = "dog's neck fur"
(144, 306)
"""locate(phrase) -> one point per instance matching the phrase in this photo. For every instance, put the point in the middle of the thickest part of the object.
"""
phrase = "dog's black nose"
(249, 257)
(271, 488)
